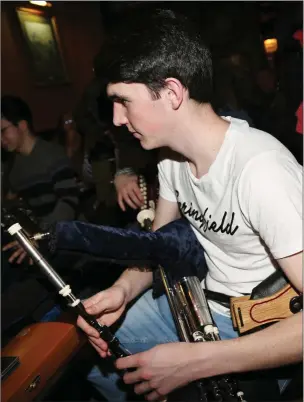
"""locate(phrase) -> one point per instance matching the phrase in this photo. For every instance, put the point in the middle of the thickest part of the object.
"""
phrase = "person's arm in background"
(66, 189)
(131, 158)
(73, 140)
(127, 189)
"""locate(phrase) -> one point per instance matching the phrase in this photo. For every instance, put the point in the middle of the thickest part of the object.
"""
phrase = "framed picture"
(41, 37)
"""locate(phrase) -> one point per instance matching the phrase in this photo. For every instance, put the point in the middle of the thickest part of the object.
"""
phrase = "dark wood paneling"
(80, 31)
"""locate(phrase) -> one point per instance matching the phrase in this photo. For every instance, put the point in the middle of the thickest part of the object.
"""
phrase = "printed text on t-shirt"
(208, 224)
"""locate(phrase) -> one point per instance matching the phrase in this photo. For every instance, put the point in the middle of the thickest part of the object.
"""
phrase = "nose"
(119, 115)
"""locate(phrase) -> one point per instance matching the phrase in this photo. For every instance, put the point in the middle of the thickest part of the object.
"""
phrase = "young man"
(40, 174)
(239, 188)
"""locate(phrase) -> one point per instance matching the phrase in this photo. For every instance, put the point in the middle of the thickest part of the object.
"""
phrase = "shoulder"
(274, 166)
(250, 146)
(53, 157)
(50, 149)
(271, 177)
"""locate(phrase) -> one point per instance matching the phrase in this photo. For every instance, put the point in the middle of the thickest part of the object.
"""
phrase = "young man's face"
(148, 119)
(11, 136)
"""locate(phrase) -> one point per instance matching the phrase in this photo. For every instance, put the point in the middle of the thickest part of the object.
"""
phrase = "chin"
(149, 145)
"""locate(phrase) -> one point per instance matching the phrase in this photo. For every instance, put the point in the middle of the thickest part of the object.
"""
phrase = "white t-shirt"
(246, 211)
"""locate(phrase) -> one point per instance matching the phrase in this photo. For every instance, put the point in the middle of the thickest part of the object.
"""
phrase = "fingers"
(137, 196)
(132, 377)
(135, 188)
(143, 387)
(132, 196)
(18, 255)
(90, 331)
(129, 201)
(21, 258)
(98, 350)
(10, 245)
(94, 337)
(129, 361)
(99, 303)
(121, 203)
(101, 348)
(155, 396)
(129, 192)
(15, 255)
(93, 300)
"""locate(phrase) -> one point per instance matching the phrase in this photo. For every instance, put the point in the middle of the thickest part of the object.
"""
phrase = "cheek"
(147, 120)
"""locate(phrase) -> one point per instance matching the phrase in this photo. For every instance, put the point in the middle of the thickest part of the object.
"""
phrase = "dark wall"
(80, 32)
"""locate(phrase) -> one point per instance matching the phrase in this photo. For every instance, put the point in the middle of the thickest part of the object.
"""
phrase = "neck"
(205, 136)
(27, 144)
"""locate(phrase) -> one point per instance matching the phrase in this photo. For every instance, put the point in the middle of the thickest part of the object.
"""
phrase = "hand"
(18, 254)
(160, 370)
(108, 306)
(128, 191)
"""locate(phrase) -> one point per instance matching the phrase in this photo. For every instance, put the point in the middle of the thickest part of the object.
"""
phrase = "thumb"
(100, 306)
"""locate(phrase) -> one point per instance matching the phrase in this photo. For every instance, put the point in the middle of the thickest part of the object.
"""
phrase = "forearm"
(275, 346)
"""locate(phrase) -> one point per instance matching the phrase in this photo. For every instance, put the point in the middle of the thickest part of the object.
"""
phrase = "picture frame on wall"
(42, 41)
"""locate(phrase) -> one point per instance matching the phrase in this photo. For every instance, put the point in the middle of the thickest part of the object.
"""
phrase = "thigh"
(147, 323)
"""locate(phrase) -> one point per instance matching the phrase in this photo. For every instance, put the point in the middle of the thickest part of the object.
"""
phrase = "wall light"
(41, 3)
(270, 45)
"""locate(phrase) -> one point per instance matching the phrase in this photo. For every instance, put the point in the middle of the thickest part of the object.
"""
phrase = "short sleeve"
(270, 196)
(166, 190)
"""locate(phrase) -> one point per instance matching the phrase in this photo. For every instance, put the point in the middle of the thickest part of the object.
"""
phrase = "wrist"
(134, 282)
(125, 171)
(127, 288)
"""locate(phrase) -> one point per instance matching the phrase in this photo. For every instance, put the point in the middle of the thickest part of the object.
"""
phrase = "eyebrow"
(117, 98)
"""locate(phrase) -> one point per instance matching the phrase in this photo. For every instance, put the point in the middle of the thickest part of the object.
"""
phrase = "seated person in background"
(71, 140)
(40, 173)
(98, 150)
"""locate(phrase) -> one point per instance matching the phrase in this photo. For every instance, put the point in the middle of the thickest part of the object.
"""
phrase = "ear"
(23, 125)
(175, 92)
